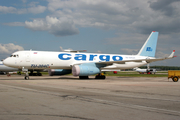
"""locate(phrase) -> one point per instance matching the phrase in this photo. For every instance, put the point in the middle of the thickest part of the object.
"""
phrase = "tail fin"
(149, 47)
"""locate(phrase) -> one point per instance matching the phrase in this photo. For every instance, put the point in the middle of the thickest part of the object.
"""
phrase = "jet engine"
(85, 70)
(58, 72)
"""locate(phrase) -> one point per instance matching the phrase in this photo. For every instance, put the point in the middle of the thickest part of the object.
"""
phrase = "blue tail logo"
(149, 49)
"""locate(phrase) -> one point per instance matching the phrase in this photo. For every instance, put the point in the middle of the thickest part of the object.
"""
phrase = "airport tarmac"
(68, 98)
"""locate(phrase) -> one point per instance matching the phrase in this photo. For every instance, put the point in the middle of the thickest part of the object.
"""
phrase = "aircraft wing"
(75, 51)
(159, 59)
(148, 60)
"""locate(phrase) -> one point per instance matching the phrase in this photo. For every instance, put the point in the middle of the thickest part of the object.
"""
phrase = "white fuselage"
(65, 60)
(4, 68)
(145, 70)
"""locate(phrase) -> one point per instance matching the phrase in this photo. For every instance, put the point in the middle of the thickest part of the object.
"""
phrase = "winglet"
(172, 54)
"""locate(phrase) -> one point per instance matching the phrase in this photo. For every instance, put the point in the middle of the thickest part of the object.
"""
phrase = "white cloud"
(144, 16)
(4, 9)
(34, 9)
(58, 27)
(100, 13)
(37, 9)
(12, 10)
(120, 14)
(133, 17)
(37, 25)
(9, 48)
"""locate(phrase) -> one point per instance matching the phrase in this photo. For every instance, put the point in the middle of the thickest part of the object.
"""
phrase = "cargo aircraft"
(147, 71)
(84, 64)
(143, 71)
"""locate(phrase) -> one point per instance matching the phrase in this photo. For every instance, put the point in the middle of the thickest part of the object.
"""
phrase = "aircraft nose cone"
(6, 62)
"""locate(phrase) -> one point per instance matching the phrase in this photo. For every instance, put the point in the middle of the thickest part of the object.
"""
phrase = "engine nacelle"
(58, 72)
(85, 70)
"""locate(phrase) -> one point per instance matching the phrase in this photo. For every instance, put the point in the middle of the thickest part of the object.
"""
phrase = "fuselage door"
(28, 57)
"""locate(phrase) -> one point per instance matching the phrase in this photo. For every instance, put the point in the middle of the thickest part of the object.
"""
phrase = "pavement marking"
(108, 102)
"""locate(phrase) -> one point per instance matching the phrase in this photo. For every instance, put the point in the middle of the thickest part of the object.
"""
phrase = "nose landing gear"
(26, 77)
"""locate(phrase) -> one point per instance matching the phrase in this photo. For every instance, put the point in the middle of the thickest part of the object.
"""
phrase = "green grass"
(136, 74)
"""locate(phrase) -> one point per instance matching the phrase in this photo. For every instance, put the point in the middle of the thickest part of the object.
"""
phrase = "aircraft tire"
(39, 74)
(100, 77)
(175, 79)
(83, 77)
(26, 77)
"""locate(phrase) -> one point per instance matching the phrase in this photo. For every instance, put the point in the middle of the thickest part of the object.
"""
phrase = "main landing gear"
(35, 74)
(98, 76)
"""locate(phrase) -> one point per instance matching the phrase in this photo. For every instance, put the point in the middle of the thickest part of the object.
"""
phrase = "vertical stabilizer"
(149, 47)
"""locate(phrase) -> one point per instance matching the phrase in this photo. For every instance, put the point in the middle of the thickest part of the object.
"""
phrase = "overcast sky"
(106, 26)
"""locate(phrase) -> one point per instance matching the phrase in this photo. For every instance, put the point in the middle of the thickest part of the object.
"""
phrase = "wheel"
(30, 74)
(175, 79)
(39, 74)
(100, 77)
(34, 74)
(19, 73)
(103, 77)
(97, 77)
(83, 77)
(26, 77)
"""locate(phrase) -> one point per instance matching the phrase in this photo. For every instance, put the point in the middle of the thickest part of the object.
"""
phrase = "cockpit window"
(14, 56)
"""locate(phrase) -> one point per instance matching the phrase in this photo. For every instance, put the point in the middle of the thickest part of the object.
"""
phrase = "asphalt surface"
(68, 98)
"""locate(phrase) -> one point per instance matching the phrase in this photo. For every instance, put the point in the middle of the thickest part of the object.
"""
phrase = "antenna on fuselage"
(75, 51)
